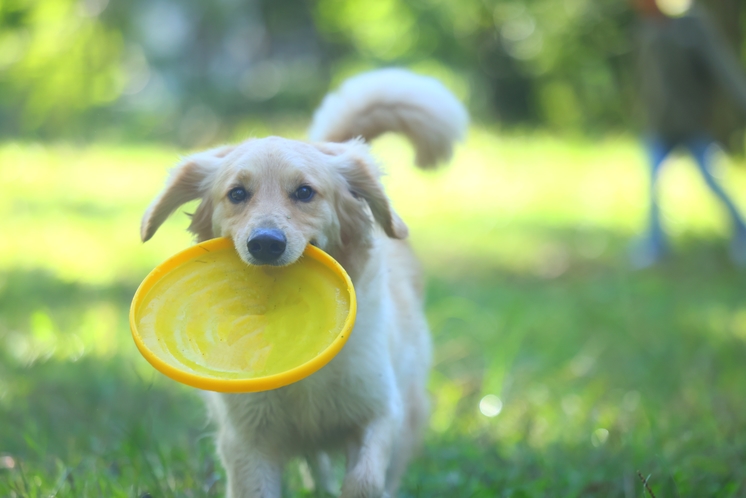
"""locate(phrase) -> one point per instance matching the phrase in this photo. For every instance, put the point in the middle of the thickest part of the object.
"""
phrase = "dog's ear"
(363, 179)
(189, 180)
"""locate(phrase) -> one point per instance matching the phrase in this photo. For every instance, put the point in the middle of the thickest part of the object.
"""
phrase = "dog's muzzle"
(266, 245)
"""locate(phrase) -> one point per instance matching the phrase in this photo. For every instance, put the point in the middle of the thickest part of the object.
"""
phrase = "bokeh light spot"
(599, 437)
(490, 406)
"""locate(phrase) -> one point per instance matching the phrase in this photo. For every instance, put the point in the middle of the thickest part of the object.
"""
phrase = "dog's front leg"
(368, 459)
(251, 473)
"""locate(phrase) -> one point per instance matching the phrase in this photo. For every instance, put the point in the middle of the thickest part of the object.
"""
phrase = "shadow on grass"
(95, 428)
(100, 424)
(599, 371)
(23, 291)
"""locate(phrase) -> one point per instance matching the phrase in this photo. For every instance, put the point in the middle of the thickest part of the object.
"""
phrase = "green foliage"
(541, 61)
(590, 370)
(194, 72)
(59, 66)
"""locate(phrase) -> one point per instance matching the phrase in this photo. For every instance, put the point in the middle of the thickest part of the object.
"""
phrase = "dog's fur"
(369, 402)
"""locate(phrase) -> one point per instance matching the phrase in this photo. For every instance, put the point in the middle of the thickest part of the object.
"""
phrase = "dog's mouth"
(258, 263)
(271, 247)
(284, 260)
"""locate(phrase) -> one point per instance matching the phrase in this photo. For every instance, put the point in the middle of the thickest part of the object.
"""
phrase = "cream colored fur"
(377, 102)
(369, 403)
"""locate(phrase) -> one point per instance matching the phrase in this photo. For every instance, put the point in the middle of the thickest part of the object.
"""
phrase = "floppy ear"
(362, 176)
(188, 181)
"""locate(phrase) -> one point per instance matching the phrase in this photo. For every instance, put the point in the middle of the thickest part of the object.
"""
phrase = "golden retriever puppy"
(273, 197)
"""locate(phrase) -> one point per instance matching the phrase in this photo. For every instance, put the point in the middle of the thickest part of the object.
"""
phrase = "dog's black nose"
(267, 244)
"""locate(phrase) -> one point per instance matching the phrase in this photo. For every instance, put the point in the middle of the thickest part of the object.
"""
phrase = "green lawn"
(591, 371)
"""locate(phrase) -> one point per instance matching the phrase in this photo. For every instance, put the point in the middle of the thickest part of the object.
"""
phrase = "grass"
(590, 371)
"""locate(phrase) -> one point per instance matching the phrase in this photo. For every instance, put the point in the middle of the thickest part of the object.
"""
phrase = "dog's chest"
(336, 395)
(340, 399)
(322, 407)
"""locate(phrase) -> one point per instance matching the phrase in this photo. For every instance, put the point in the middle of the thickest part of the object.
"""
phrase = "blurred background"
(560, 369)
(192, 73)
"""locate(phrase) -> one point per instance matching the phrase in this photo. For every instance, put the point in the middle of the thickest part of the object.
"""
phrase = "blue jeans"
(700, 148)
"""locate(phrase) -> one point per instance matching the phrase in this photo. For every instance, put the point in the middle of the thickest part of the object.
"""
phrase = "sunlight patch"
(490, 406)
(599, 437)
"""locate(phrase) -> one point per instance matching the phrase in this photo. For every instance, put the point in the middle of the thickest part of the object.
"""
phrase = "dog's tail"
(397, 100)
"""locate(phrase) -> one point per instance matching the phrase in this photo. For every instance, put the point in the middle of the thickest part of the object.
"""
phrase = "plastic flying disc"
(207, 319)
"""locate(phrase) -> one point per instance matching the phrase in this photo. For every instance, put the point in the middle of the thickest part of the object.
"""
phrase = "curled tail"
(374, 103)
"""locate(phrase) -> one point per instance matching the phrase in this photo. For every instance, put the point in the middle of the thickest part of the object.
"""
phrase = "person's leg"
(653, 245)
(658, 150)
(701, 149)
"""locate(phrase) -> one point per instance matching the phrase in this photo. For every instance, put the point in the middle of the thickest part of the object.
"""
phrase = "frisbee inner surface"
(216, 316)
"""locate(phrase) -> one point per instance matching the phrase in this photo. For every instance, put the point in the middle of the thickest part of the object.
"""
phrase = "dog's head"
(274, 196)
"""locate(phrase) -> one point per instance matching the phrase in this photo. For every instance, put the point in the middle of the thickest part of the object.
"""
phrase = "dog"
(273, 196)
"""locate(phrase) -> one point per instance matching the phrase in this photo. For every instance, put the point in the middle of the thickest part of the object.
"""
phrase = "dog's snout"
(267, 245)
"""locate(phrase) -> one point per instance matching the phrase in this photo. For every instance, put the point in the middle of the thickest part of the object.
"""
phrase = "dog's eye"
(237, 195)
(304, 193)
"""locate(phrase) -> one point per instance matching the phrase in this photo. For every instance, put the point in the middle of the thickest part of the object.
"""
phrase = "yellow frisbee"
(207, 319)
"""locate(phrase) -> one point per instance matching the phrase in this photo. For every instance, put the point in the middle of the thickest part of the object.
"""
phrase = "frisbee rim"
(265, 383)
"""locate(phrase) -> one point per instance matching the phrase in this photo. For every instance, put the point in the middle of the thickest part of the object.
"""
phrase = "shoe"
(647, 252)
